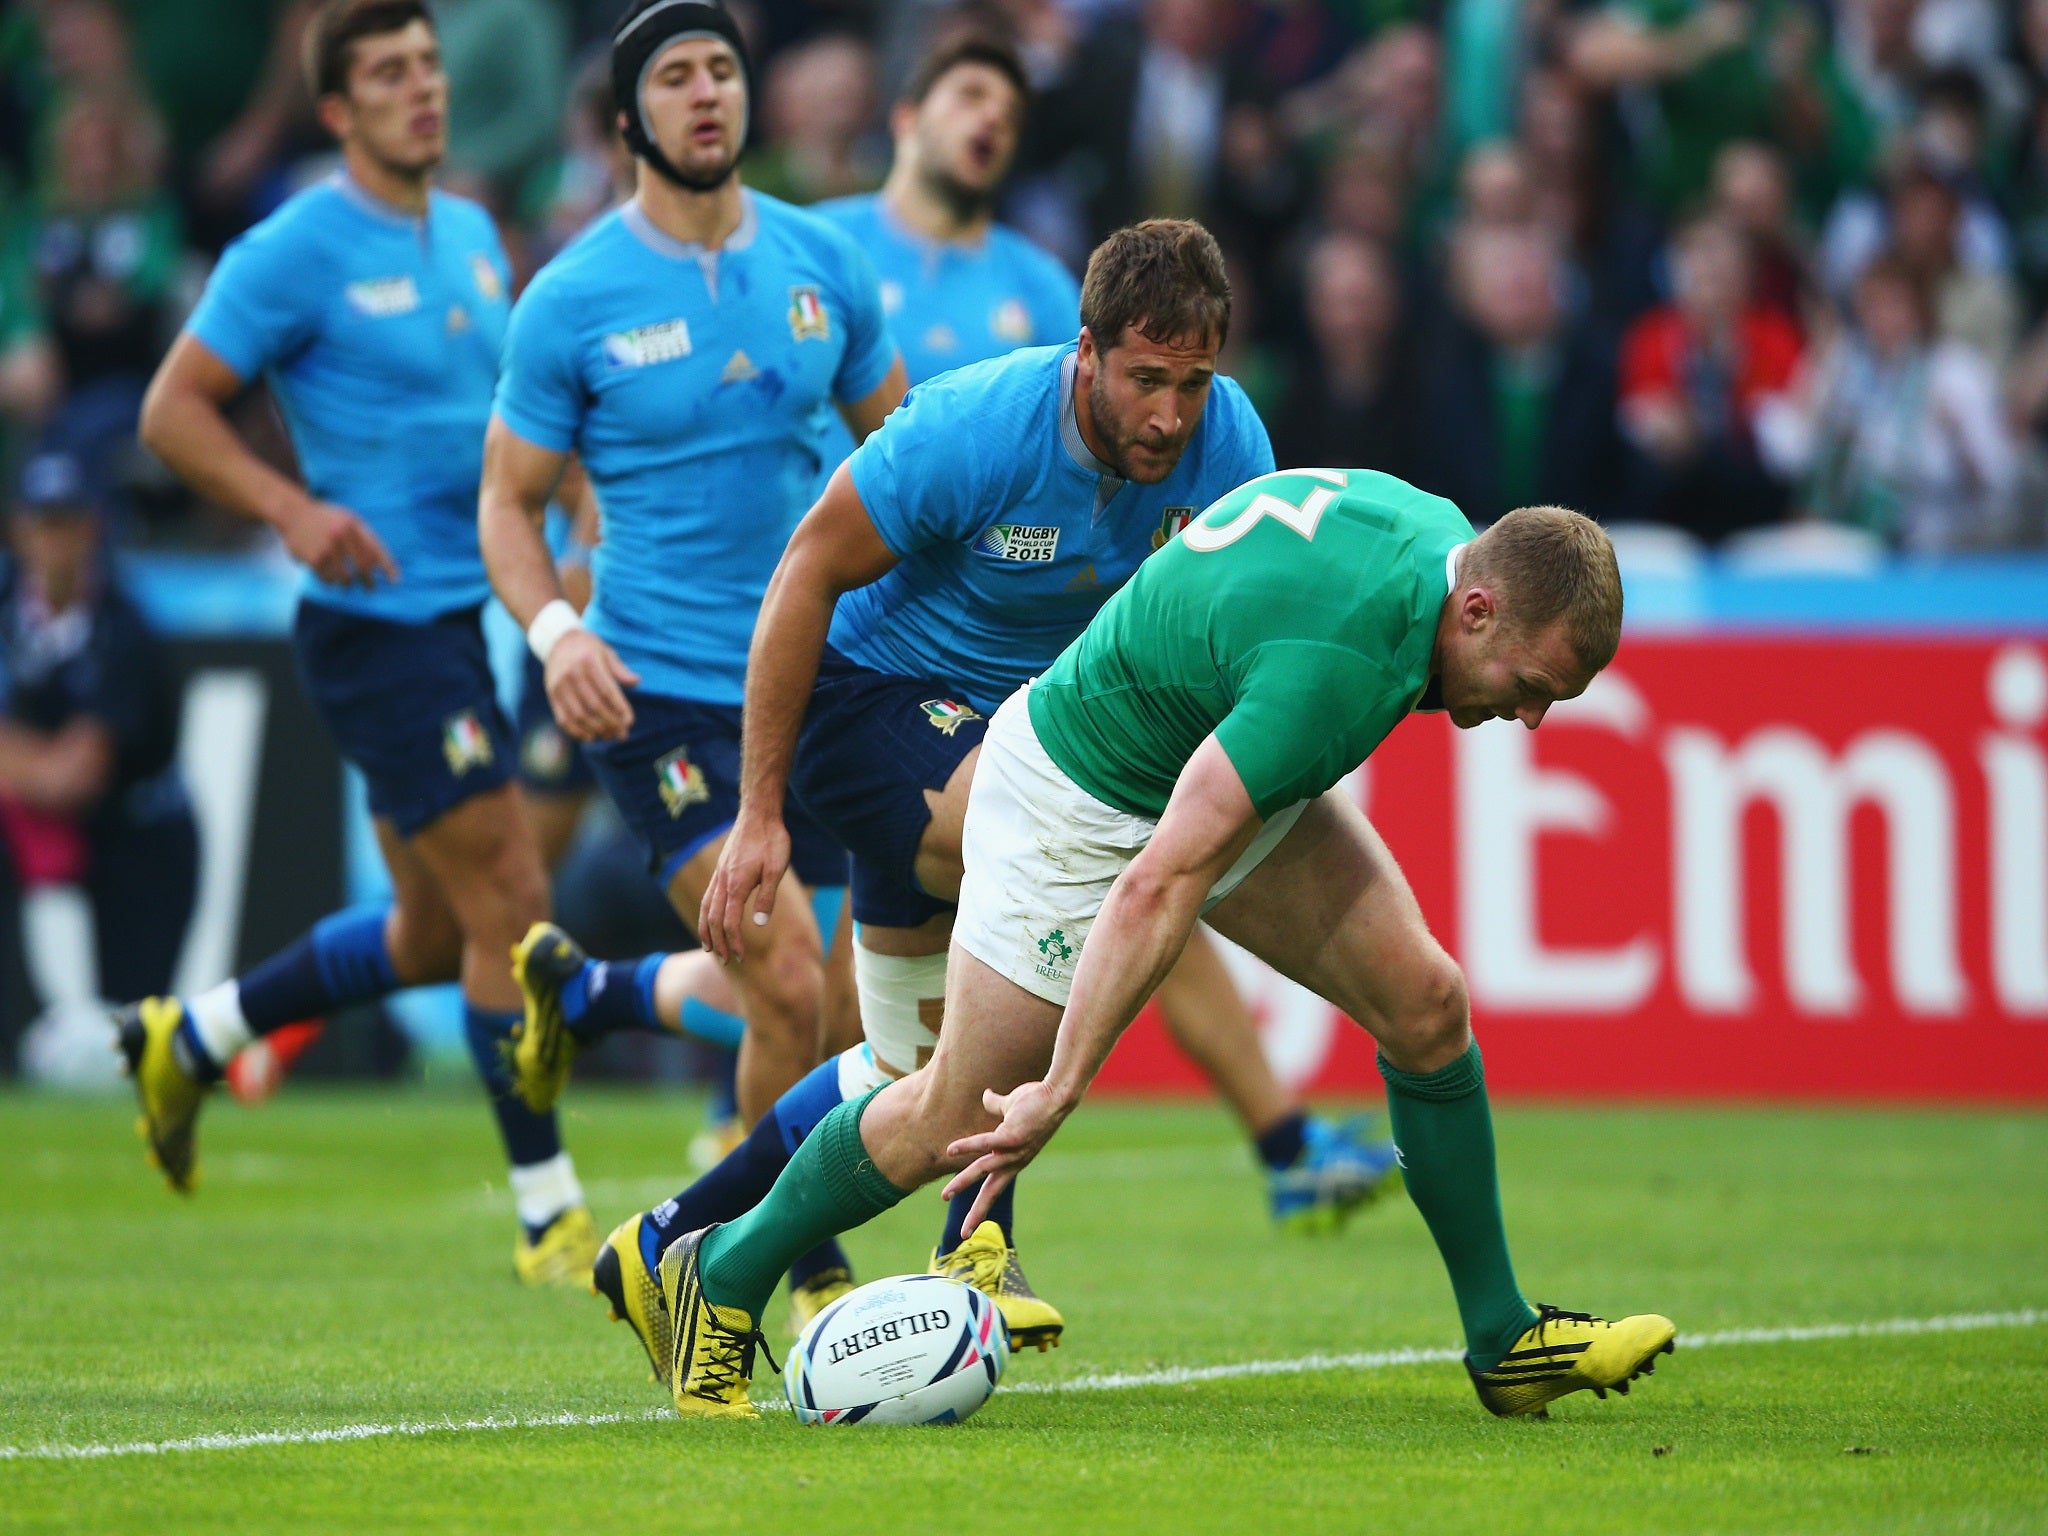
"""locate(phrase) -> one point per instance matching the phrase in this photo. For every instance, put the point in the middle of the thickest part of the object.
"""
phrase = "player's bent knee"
(789, 989)
(1435, 1026)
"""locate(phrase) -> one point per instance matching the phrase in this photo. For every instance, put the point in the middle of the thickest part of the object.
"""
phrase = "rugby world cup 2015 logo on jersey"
(645, 345)
(1019, 541)
(808, 319)
(947, 715)
(681, 782)
(465, 743)
(1171, 521)
(380, 298)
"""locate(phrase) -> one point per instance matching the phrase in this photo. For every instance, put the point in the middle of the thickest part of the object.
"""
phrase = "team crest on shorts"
(546, 754)
(681, 782)
(1055, 956)
(946, 715)
(465, 743)
(1170, 523)
(807, 318)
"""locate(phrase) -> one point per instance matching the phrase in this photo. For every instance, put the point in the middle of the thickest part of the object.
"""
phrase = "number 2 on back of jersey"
(1302, 516)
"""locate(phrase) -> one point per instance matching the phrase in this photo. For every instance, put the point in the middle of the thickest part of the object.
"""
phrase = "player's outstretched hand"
(1031, 1113)
(749, 873)
(587, 685)
(336, 545)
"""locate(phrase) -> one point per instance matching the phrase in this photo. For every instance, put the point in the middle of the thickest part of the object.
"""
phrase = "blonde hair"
(1552, 563)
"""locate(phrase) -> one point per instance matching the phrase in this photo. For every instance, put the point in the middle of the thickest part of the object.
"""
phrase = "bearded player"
(959, 286)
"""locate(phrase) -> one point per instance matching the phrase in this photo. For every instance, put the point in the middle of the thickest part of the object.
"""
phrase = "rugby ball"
(912, 1349)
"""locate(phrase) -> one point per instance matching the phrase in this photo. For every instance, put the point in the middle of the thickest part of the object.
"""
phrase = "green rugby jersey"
(1294, 618)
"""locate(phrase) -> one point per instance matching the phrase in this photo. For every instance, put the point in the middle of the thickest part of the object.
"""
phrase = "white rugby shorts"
(1041, 854)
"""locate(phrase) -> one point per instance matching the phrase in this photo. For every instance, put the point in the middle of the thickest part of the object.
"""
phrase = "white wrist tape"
(548, 627)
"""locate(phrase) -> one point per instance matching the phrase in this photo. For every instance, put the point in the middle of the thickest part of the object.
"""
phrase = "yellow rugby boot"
(989, 1264)
(806, 1301)
(621, 1276)
(1572, 1352)
(542, 1047)
(713, 1358)
(169, 1091)
(562, 1254)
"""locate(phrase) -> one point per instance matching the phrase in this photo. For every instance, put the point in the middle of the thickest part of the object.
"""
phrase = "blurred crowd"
(1739, 268)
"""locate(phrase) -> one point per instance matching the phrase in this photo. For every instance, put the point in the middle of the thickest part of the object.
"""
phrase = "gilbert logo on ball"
(913, 1349)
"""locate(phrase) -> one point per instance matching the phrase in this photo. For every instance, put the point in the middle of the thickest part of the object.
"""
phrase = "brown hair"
(1890, 267)
(1553, 563)
(968, 48)
(339, 25)
(1165, 277)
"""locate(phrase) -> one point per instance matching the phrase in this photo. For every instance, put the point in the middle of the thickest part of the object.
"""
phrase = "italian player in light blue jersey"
(964, 285)
(375, 308)
(964, 545)
(682, 347)
(959, 288)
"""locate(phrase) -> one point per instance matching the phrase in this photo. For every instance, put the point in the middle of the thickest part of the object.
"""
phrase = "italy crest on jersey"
(807, 318)
(487, 281)
(1171, 523)
(465, 743)
(946, 714)
(681, 782)
(1011, 322)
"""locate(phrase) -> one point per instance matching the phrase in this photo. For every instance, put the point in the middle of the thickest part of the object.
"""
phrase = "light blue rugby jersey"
(379, 334)
(1010, 533)
(690, 382)
(950, 303)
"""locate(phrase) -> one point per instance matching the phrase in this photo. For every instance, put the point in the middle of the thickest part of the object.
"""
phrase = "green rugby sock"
(1444, 1131)
(829, 1187)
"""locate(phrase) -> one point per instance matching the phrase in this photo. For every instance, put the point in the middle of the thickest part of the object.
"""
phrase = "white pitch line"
(1118, 1381)
(1380, 1360)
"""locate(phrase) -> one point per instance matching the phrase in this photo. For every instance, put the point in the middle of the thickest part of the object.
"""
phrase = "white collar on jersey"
(1451, 569)
(666, 244)
(634, 217)
(364, 200)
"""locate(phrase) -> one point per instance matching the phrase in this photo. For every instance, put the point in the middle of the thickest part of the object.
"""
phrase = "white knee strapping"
(900, 1000)
(858, 1073)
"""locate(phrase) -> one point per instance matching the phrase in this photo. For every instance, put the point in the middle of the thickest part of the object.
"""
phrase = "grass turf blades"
(344, 1265)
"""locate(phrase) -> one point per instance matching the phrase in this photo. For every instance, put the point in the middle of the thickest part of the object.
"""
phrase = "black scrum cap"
(643, 35)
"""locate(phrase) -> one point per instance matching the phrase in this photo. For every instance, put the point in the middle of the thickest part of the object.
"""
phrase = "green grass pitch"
(347, 1262)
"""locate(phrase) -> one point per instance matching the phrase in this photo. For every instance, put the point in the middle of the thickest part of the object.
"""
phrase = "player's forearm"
(782, 667)
(1139, 934)
(515, 550)
(189, 432)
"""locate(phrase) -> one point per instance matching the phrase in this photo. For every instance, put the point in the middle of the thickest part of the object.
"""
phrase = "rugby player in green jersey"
(1178, 761)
